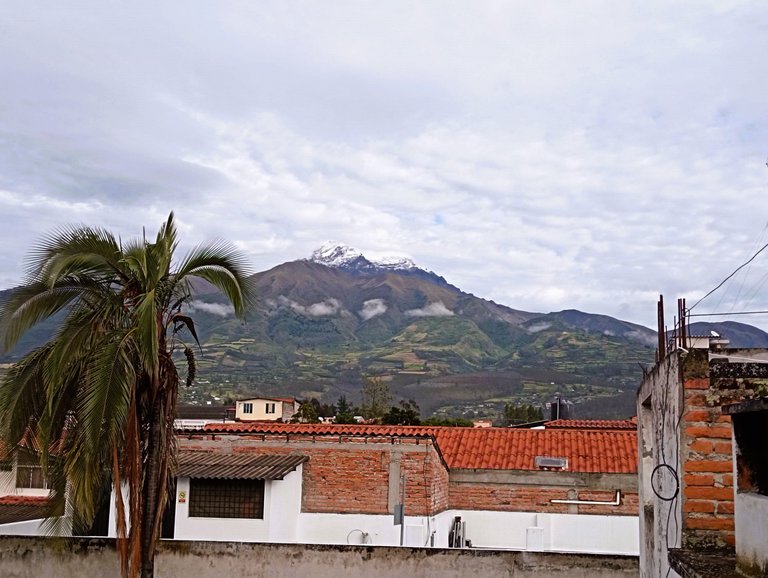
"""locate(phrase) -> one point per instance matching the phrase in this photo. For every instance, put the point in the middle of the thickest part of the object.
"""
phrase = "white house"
(266, 409)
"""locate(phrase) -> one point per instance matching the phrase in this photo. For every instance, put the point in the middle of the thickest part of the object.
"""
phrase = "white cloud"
(219, 309)
(544, 156)
(434, 309)
(371, 308)
(325, 308)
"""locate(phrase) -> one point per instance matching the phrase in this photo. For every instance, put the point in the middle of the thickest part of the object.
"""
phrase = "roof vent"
(549, 462)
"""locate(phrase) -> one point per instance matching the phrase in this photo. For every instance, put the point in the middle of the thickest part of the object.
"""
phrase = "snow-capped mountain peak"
(333, 254)
(339, 255)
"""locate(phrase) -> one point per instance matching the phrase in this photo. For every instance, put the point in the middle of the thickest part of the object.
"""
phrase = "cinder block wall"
(43, 557)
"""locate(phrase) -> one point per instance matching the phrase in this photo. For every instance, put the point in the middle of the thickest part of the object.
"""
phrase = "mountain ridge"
(318, 328)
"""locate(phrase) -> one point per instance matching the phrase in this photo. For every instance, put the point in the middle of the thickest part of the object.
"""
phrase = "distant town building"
(266, 409)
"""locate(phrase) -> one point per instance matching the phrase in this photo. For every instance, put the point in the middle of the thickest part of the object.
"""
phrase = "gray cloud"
(543, 156)
(371, 308)
(435, 309)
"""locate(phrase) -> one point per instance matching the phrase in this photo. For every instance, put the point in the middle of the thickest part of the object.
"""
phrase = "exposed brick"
(697, 383)
(698, 415)
(699, 479)
(708, 493)
(713, 466)
(695, 400)
(727, 480)
(710, 523)
(723, 448)
(703, 506)
(703, 431)
(702, 446)
(725, 507)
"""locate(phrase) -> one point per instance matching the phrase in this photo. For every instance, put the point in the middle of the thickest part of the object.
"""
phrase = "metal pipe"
(616, 501)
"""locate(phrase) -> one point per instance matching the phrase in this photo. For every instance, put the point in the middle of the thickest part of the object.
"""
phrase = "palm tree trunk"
(152, 488)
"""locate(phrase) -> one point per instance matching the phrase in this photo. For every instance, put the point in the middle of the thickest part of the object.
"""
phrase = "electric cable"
(723, 282)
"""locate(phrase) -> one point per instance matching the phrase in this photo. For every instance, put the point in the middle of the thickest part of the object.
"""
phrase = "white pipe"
(616, 501)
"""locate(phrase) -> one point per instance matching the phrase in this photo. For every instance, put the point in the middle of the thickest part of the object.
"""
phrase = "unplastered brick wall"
(426, 482)
(349, 474)
(537, 498)
(707, 449)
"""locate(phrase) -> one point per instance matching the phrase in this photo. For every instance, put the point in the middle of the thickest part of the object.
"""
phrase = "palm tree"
(100, 396)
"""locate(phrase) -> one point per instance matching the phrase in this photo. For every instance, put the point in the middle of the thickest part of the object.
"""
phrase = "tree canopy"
(99, 397)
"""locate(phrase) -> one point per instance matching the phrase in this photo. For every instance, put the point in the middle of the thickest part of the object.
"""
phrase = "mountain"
(319, 325)
(740, 335)
(349, 259)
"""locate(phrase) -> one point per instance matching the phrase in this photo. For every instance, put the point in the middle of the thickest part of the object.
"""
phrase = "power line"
(724, 281)
(728, 314)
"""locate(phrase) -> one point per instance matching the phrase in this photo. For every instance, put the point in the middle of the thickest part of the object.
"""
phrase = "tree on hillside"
(306, 414)
(448, 421)
(376, 398)
(344, 411)
(405, 413)
(102, 392)
(517, 414)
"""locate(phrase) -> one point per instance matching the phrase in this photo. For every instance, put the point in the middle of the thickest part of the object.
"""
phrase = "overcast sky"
(546, 155)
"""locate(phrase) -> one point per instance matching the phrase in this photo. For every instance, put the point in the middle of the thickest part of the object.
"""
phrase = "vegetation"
(517, 414)
(376, 397)
(406, 413)
(344, 411)
(102, 391)
(448, 422)
(306, 414)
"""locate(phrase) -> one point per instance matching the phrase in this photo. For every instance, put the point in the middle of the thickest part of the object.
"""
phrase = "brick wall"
(707, 476)
(707, 449)
(351, 475)
(508, 498)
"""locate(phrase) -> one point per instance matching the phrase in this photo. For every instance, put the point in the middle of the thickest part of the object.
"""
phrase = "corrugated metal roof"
(197, 464)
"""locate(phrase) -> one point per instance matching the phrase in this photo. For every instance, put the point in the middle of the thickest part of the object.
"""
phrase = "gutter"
(616, 501)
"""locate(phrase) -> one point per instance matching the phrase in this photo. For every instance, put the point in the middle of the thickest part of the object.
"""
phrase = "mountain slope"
(321, 324)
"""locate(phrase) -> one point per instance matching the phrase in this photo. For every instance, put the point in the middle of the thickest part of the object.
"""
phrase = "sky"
(545, 155)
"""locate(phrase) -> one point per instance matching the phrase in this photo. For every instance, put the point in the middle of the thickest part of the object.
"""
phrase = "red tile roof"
(21, 499)
(607, 451)
(516, 449)
(22, 508)
(601, 424)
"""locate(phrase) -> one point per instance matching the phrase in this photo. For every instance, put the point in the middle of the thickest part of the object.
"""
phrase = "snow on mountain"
(334, 254)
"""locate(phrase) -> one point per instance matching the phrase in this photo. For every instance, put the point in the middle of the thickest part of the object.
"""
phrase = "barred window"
(270, 408)
(29, 472)
(226, 498)
(247, 408)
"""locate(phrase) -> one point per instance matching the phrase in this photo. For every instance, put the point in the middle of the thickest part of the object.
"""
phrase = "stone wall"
(44, 557)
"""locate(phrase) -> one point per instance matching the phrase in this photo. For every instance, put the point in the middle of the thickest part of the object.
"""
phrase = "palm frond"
(29, 305)
(95, 251)
(222, 265)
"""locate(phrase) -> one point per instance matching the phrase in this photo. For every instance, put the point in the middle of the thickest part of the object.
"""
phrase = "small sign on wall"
(182, 497)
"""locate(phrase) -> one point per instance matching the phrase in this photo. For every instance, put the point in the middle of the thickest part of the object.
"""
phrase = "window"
(247, 408)
(226, 498)
(29, 472)
(270, 408)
